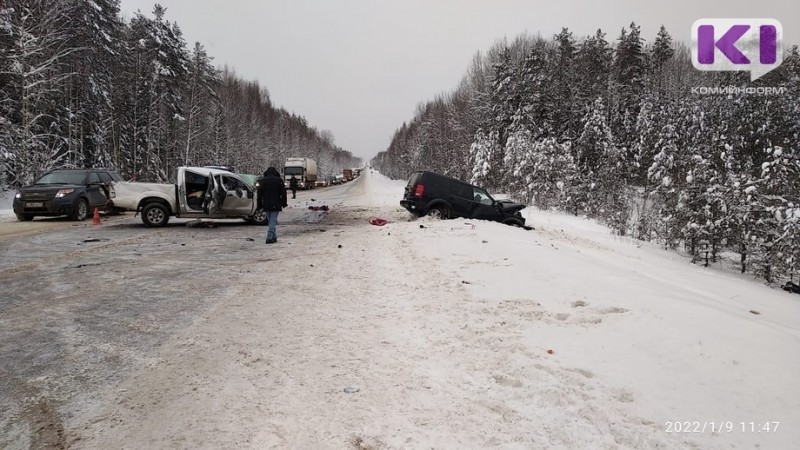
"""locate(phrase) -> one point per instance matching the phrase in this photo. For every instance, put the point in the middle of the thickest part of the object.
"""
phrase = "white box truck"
(304, 169)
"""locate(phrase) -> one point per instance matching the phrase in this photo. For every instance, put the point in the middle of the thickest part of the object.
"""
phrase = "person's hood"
(272, 172)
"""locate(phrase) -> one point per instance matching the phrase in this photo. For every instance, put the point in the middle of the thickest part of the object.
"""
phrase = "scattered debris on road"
(377, 221)
(200, 224)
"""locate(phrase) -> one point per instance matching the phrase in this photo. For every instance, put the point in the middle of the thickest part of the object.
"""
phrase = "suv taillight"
(419, 190)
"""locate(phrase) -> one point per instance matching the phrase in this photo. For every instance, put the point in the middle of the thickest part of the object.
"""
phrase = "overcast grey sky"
(360, 67)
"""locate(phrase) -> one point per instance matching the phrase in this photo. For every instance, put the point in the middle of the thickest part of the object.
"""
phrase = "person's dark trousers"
(294, 192)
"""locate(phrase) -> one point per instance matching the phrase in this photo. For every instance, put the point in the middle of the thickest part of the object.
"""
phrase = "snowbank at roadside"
(6, 200)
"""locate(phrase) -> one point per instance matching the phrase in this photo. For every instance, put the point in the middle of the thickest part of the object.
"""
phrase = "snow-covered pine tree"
(593, 63)
(663, 175)
(97, 31)
(201, 100)
(627, 85)
(601, 168)
(742, 215)
(776, 232)
(551, 175)
(505, 101)
(662, 52)
(517, 162)
(702, 204)
(564, 110)
(36, 45)
(481, 156)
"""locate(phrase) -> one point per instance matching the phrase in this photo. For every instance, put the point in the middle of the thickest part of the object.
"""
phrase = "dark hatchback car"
(440, 196)
(65, 192)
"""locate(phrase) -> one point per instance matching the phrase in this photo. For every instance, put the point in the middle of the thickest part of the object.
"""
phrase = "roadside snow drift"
(429, 334)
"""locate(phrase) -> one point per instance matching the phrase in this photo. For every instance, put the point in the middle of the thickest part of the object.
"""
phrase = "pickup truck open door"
(212, 200)
(237, 198)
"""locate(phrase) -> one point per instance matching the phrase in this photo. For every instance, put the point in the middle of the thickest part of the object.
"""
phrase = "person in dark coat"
(293, 185)
(272, 198)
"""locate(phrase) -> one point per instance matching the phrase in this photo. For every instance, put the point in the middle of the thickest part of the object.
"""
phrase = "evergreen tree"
(776, 231)
(593, 65)
(628, 72)
(601, 168)
(662, 52)
(482, 156)
(551, 175)
(562, 84)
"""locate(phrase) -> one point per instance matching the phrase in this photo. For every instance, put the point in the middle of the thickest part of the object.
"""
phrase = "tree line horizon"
(613, 132)
(82, 87)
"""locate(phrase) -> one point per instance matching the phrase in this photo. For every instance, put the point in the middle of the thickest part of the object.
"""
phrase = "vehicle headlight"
(18, 195)
(64, 192)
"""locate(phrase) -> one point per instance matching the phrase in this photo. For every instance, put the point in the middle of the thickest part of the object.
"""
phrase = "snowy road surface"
(417, 334)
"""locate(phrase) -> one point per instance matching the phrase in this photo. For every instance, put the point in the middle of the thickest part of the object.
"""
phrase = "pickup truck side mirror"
(250, 194)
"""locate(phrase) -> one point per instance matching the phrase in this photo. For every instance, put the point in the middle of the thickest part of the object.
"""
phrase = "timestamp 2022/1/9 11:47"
(727, 426)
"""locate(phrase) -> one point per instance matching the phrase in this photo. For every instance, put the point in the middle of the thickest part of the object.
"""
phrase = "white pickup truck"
(199, 192)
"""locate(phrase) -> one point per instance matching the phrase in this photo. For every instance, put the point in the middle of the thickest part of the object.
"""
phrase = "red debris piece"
(378, 221)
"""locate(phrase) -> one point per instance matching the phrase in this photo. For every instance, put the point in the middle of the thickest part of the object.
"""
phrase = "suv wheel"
(24, 217)
(81, 211)
(439, 212)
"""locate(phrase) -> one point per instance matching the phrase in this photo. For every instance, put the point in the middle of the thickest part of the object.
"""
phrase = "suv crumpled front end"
(510, 207)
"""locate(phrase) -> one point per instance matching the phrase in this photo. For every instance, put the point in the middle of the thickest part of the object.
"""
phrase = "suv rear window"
(414, 178)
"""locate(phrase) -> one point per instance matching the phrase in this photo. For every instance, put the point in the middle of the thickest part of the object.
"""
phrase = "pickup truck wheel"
(439, 212)
(260, 217)
(24, 217)
(155, 215)
(81, 211)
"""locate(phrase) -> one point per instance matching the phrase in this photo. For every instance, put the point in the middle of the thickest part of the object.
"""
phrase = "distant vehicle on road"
(347, 174)
(443, 197)
(65, 192)
(304, 169)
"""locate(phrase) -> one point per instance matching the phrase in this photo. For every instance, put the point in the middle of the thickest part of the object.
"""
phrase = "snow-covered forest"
(626, 132)
(82, 87)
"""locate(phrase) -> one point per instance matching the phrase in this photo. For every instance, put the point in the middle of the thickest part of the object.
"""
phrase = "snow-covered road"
(417, 334)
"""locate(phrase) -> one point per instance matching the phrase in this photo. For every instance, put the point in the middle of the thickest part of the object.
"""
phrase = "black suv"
(440, 196)
(65, 192)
